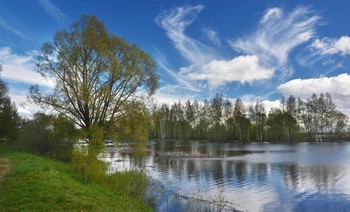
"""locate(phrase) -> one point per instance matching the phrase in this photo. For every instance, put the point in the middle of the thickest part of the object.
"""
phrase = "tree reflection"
(315, 178)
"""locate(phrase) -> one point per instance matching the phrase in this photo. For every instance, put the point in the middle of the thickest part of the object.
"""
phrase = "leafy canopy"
(96, 73)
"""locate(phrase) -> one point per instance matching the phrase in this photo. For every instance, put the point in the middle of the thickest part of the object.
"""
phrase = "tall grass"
(36, 183)
(127, 183)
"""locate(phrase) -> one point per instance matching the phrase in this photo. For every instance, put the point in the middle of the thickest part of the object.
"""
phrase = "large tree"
(96, 74)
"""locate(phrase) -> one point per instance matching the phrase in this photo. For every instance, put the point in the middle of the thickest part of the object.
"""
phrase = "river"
(243, 177)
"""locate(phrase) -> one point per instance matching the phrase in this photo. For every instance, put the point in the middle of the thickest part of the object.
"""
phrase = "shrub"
(49, 135)
(85, 158)
(128, 183)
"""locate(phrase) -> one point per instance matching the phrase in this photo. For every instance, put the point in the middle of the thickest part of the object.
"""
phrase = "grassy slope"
(40, 184)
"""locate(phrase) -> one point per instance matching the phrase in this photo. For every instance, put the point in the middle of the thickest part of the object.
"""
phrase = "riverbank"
(39, 184)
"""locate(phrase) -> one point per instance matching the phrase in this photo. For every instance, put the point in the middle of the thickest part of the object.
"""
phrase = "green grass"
(39, 184)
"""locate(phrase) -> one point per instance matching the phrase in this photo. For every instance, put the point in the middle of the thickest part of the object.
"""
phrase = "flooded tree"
(221, 119)
(320, 118)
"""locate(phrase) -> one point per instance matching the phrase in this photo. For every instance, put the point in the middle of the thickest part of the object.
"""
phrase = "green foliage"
(96, 74)
(135, 125)
(282, 126)
(222, 120)
(9, 118)
(40, 184)
(320, 117)
(89, 165)
(217, 133)
(128, 183)
(85, 158)
(49, 135)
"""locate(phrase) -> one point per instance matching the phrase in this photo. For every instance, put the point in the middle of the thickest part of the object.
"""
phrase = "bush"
(49, 135)
(85, 158)
(128, 184)
(133, 184)
(90, 166)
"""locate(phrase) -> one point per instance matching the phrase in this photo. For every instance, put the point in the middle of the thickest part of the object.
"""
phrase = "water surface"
(245, 177)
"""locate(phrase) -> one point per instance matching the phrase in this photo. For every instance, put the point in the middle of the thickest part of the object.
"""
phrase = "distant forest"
(219, 119)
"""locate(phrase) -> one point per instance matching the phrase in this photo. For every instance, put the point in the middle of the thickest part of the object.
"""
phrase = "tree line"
(220, 119)
(9, 118)
(99, 78)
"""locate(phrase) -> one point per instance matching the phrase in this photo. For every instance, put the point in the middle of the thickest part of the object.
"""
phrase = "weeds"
(160, 197)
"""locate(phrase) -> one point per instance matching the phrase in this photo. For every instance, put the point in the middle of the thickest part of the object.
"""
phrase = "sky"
(249, 49)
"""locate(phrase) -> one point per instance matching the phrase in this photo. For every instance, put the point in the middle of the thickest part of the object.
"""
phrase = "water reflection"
(252, 177)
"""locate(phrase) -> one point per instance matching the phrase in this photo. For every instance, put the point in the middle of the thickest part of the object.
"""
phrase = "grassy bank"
(39, 184)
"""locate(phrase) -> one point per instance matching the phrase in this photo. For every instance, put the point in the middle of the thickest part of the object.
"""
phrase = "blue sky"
(240, 48)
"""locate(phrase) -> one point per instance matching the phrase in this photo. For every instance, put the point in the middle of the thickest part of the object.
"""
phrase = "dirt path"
(5, 167)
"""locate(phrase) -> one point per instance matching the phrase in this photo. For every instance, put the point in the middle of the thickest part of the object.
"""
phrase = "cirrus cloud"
(175, 22)
(206, 64)
(278, 34)
(54, 11)
(263, 52)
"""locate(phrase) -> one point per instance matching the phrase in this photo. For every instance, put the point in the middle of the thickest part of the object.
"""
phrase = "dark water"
(245, 177)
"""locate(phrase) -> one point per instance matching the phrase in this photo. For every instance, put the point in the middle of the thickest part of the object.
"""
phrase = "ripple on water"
(256, 177)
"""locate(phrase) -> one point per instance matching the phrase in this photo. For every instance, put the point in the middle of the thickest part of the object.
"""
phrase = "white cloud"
(278, 34)
(212, 36)
(180, 79)
(24, 108)
(264, 53)
(329, 46)
(54, 11)
(242, 69)
(168, 95)
(175, 22)
(206, 64)
(20, 68)
(18, 71)
(271, 13)
(337, 86)
(250, 99)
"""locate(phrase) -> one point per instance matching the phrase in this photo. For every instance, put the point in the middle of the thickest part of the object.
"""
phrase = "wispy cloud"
(175, 22)
(180, 79)
(330, 46)
(54, 11)
(4, 24)
(212, 36)
(278, 34)
(265, 53)
(10, 23)
(206, 64)
(20, 68)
